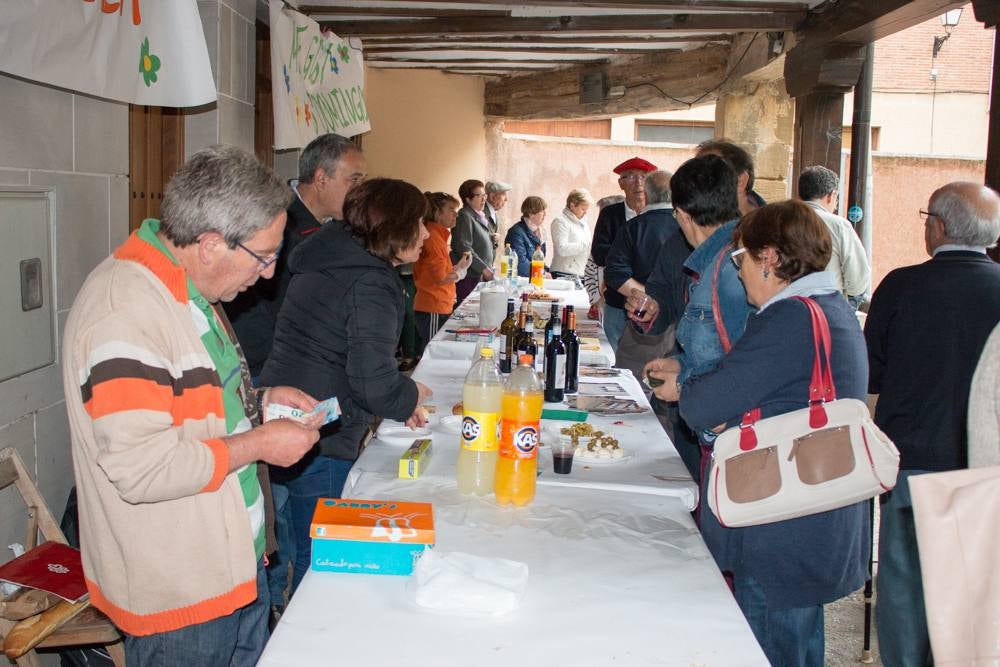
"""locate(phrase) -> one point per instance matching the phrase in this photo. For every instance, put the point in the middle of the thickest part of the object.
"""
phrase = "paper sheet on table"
(468, 585)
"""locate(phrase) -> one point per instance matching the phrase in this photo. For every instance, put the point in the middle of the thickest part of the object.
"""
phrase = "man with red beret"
(631, 178)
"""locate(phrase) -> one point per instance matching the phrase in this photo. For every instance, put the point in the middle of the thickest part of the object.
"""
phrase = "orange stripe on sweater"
(174, 619)
(198, 403)
(129, 393)
(220, 452)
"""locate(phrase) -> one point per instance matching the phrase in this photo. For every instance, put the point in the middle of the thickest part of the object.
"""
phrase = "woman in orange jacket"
(434, 274)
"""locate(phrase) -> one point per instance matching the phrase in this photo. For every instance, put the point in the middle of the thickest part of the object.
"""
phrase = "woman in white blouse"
(571, 236)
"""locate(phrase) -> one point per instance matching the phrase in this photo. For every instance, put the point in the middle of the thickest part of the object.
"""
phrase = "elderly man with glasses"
(165, 425)
(926, 329)
(631, 179)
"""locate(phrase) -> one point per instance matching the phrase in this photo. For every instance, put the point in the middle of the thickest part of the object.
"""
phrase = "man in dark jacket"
(926, 329)
(329, 167)
(630, 263)
(631, 175)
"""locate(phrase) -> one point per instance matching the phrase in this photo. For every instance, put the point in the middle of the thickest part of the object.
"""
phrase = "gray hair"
(969, 211)
(657, 187)
(578, 196)
(497, 186)
(817, 182)
(323, 152)
(609, 200)
(221, 189)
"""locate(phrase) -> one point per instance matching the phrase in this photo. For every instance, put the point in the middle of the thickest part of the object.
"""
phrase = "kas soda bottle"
(520, 416)
(538, 268)
(477, 458)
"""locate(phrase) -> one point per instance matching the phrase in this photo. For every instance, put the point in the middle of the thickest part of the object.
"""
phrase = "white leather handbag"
(828, 455)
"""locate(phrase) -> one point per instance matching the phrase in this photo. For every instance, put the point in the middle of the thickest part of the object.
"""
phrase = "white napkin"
(461, 583)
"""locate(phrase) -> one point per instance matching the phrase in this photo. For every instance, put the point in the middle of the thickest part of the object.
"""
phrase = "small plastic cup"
(562, 456)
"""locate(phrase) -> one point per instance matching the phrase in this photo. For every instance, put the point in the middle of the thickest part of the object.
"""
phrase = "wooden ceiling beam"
(507, 48)
(454, 40)
(828, 54)
(478, 62)
(761, 22)
(652, 5)
(319, 12)
(864, 21)
(685, 75)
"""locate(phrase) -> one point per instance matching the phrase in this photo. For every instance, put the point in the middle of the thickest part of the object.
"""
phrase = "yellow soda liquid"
(517, 463)
(477, 456)
(503, 266)
(538, 273)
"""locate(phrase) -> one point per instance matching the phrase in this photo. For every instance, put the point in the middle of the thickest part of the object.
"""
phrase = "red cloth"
(635, 163)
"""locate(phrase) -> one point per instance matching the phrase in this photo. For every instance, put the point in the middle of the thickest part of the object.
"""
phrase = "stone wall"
(78, 146)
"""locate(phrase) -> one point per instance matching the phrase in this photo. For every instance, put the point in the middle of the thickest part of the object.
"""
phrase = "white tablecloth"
(615, 578)
(618, 571)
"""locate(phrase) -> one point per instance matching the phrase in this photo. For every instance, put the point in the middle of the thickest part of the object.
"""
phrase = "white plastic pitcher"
(492, 308)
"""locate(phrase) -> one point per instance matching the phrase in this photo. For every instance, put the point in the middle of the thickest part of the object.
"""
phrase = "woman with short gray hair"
(571, 236)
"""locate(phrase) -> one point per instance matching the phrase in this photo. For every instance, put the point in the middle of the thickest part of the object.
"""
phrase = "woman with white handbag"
(784, 571)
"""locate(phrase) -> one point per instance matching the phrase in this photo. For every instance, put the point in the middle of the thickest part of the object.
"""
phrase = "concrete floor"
(845, 622)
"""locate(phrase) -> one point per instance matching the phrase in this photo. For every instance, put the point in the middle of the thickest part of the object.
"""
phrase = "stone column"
(759, 116)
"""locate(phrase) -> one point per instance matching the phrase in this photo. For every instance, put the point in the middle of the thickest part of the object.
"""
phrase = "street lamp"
(949, 20)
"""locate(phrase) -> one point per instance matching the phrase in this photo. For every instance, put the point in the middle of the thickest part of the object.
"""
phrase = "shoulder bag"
(828, 455)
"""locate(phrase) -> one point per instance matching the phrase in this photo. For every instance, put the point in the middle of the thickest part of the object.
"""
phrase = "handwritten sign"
(317, 80)
(136, 51)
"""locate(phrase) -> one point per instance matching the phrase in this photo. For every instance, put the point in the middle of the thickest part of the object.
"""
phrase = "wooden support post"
(819, 118)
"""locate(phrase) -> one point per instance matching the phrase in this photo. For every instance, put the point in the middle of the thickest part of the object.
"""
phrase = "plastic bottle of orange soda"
(520, 416)
(538, 267)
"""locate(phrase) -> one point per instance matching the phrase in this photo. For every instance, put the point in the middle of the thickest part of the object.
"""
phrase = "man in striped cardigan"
(165, 424)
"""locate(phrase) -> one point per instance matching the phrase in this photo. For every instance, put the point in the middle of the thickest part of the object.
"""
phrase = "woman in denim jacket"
(707, 208)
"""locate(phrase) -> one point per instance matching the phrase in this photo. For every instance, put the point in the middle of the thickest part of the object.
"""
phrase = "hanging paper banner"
(139, 51)
(317, 81)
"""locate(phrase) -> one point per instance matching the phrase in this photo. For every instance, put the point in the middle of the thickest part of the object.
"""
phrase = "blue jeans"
(900, 617)
(277, 568)
(316, 476)
(614, 325)
(789, 637)
(235, 640)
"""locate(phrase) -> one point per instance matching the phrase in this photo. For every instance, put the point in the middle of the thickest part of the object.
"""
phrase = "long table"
(618, 571)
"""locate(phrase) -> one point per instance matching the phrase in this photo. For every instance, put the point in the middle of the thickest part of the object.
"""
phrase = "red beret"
(635, 163)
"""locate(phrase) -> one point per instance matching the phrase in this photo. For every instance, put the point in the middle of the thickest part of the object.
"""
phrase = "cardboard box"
(415, 459)
(370, 536)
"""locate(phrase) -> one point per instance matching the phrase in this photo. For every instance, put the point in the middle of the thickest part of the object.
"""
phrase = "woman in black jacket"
(337, 332)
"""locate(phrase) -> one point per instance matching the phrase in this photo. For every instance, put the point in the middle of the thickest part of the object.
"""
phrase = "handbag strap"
(821, 386)
(720, 325)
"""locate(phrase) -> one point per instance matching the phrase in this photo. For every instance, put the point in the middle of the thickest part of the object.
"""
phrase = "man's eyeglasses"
(263, 261)
(736, 257)
(633, 177)
(924, 215)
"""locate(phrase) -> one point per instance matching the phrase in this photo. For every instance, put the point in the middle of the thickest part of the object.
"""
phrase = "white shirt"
(849, 262)
(571, 239)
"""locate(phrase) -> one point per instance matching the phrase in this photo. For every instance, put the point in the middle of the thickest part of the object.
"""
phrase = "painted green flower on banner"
(148, 64)
(345, 53)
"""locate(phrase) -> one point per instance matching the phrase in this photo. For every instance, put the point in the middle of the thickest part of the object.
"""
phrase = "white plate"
(400, 434)
(580, 461)
(451, 424)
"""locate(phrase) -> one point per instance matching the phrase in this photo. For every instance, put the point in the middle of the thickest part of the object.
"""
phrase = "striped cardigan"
(164, 529)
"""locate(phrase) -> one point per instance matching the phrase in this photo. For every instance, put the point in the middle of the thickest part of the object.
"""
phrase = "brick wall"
(903, 61)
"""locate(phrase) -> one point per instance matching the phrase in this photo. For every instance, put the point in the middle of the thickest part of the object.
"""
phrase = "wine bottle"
(553, 318)
(508, 333)
(526, 340)
(572, 342)
(555, 365)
